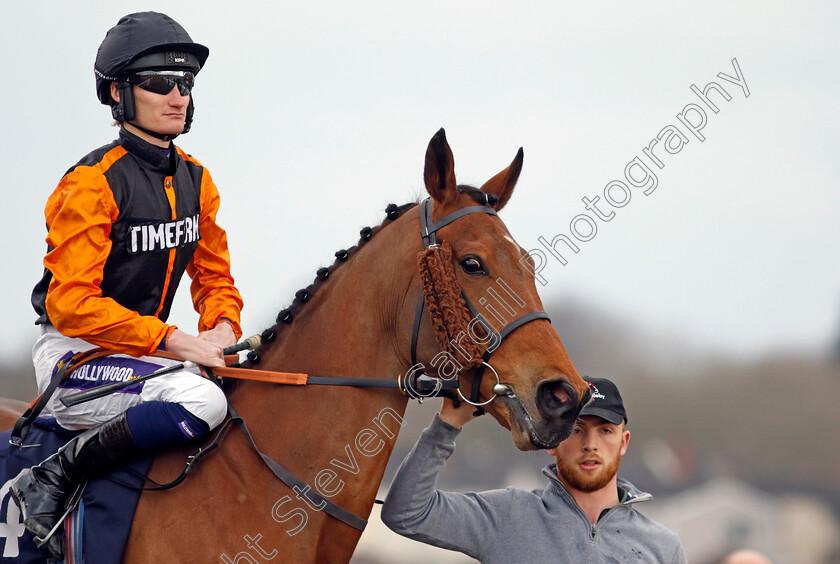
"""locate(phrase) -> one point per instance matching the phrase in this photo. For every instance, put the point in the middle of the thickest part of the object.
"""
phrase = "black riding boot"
(41, 491)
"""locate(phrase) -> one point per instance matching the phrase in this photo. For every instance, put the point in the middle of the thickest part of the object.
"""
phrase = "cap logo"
(595, 393)
(177, 58)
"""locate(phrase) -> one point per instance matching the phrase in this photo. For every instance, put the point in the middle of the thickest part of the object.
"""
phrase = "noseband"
(432, 385)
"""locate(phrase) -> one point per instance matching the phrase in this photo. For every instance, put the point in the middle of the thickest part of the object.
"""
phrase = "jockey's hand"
(222, 335)
(456, 417)
(195, 349)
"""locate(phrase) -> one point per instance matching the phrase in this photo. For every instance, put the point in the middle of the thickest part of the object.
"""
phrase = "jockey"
(124, 224)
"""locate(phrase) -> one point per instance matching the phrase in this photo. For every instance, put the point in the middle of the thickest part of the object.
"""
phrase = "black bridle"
(429, 385)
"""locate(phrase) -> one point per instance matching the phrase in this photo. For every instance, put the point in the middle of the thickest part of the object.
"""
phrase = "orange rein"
(288, 378)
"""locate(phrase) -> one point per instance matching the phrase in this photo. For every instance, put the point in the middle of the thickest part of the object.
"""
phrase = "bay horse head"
(531, 386)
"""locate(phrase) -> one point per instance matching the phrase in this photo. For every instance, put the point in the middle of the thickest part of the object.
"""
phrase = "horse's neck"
(358, 325)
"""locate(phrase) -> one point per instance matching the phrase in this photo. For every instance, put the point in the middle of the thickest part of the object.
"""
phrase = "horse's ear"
(439, 172)
(502, 184)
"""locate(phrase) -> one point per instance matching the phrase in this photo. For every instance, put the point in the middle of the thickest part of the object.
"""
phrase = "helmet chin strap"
(126, 112)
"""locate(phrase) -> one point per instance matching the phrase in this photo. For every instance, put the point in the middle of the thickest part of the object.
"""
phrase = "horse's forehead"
(507, 237)
(492, 230)
(511, 246)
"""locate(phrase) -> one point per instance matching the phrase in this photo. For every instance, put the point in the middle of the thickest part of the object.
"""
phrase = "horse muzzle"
(557, 404)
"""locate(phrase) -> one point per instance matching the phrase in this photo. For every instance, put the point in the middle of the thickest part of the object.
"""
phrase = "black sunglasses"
(162, 82)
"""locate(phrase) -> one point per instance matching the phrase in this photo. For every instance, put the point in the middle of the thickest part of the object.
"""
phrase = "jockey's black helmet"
(144, 41)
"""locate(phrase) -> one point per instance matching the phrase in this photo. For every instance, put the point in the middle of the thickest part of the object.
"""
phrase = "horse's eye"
(472, 266)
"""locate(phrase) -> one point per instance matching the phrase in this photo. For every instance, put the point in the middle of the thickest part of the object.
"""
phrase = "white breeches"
(195, 393)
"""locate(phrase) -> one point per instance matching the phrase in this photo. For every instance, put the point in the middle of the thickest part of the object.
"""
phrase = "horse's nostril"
(554, 397)
(559, 392)
(557, 404)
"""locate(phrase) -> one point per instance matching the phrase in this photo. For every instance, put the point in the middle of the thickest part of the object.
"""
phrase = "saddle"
(104, 513)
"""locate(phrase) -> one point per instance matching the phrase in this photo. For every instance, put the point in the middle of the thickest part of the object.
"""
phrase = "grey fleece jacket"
(514, 525)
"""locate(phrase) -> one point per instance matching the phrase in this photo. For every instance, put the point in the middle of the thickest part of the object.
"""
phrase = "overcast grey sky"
(313, 116)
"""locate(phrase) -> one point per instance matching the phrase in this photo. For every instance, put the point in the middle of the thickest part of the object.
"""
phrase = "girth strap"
(280, 472)
(299, 487)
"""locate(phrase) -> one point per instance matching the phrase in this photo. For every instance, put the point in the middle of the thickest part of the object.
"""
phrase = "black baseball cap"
(606, 402)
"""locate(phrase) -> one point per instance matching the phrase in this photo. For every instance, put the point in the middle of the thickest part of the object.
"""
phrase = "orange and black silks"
(124, 225)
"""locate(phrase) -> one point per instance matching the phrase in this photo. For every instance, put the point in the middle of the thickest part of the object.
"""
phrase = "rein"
(411, 385)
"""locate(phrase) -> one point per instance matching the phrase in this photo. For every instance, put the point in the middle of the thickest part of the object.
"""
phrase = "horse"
(363, 317)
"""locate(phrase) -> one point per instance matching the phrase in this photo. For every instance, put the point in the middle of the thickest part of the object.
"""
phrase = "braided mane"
(302, 296)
